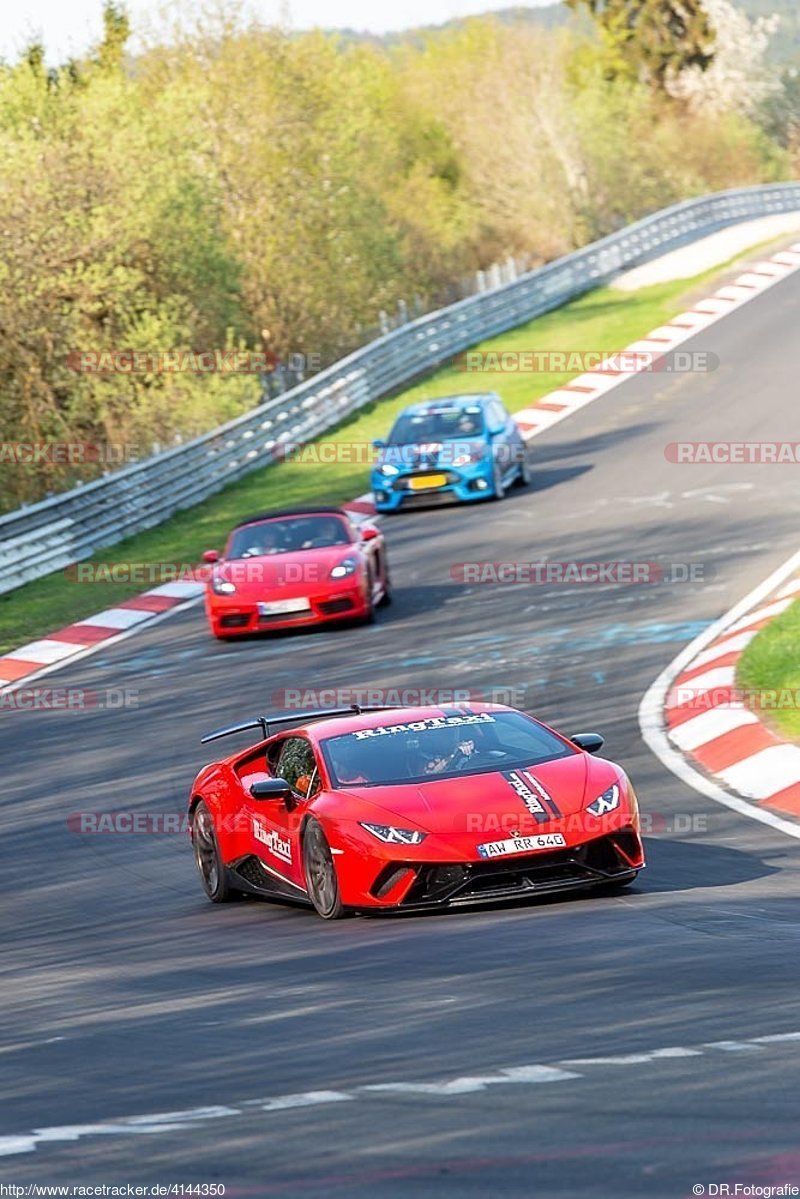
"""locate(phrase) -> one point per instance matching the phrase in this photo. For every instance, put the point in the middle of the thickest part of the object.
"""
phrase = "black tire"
(370, 616)
(208, 859)
(498, 486)
(386, 598)
(320, 873)
(525, 475)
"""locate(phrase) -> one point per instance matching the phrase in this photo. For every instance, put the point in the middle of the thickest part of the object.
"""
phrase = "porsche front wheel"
(320, 873)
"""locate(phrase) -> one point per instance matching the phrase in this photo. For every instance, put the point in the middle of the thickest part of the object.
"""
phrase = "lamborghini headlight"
(605, 803)
(394, 836)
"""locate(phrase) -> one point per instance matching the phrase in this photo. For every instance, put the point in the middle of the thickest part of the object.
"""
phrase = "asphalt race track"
(124, 993)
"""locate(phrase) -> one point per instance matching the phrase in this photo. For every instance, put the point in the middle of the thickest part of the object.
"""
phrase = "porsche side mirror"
(592, 743)
(211, 556)
(369, 533)
(271, 789)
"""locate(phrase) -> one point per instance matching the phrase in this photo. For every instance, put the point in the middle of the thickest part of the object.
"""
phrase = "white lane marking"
(118, 618)
(478, 1082)
(462, 1085)
(23, 1045)
(307, 1099)
(791, 588)
(710, 725)
(765, 613)
(732, 1046)
(728, 645)
(635, 1059)
(651, 709)
(538, 1074)
(74, 1132)
(457, 1086)
(11, 1146)
(47, 651)
(701, 492)
(764, 773)
(193, 1113)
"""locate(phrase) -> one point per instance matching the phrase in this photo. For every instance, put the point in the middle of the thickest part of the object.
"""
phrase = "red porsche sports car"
(410, 808)
(296, 567)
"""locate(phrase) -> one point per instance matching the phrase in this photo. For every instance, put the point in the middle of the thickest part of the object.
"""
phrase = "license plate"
(426, 482)
(499, 849)
(277, 607)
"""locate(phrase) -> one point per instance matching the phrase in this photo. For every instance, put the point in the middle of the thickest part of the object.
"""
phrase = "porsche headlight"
(605, 803)
(222, 586)
(394, 836)
(345, 568)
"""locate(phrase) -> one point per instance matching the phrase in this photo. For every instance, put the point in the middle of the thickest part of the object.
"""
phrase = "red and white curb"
(94, 632)
(86, 636)
(691, 716)
(590, 386)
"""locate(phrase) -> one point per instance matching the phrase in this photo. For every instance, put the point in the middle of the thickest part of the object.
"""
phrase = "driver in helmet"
(463, 747)
(266, 539)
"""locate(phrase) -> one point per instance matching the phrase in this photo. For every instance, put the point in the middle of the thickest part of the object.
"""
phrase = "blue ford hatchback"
(463, 447)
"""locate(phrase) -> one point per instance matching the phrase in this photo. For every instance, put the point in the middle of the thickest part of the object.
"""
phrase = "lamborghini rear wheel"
(208, 859)
(320, 873)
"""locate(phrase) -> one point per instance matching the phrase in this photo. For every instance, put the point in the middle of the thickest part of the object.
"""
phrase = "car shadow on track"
(689, 865)
(672, 866)
(581, 446)
(544, 480)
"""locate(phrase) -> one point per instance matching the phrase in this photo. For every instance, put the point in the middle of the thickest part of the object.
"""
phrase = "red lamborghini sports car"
(296, 568)
(412, 808)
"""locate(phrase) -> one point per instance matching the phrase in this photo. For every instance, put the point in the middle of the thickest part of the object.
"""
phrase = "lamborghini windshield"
(439, 747)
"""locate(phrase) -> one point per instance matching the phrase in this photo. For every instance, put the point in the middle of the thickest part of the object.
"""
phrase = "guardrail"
(67, 528)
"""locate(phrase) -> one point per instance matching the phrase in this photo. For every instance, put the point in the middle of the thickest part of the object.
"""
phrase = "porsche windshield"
(287, 535)
(440, 424)
(439, 747)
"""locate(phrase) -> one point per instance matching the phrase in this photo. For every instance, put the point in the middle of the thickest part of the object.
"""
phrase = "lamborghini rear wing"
(266, 723)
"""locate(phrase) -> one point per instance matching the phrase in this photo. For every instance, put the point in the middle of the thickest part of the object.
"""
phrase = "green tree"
(653, 40)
